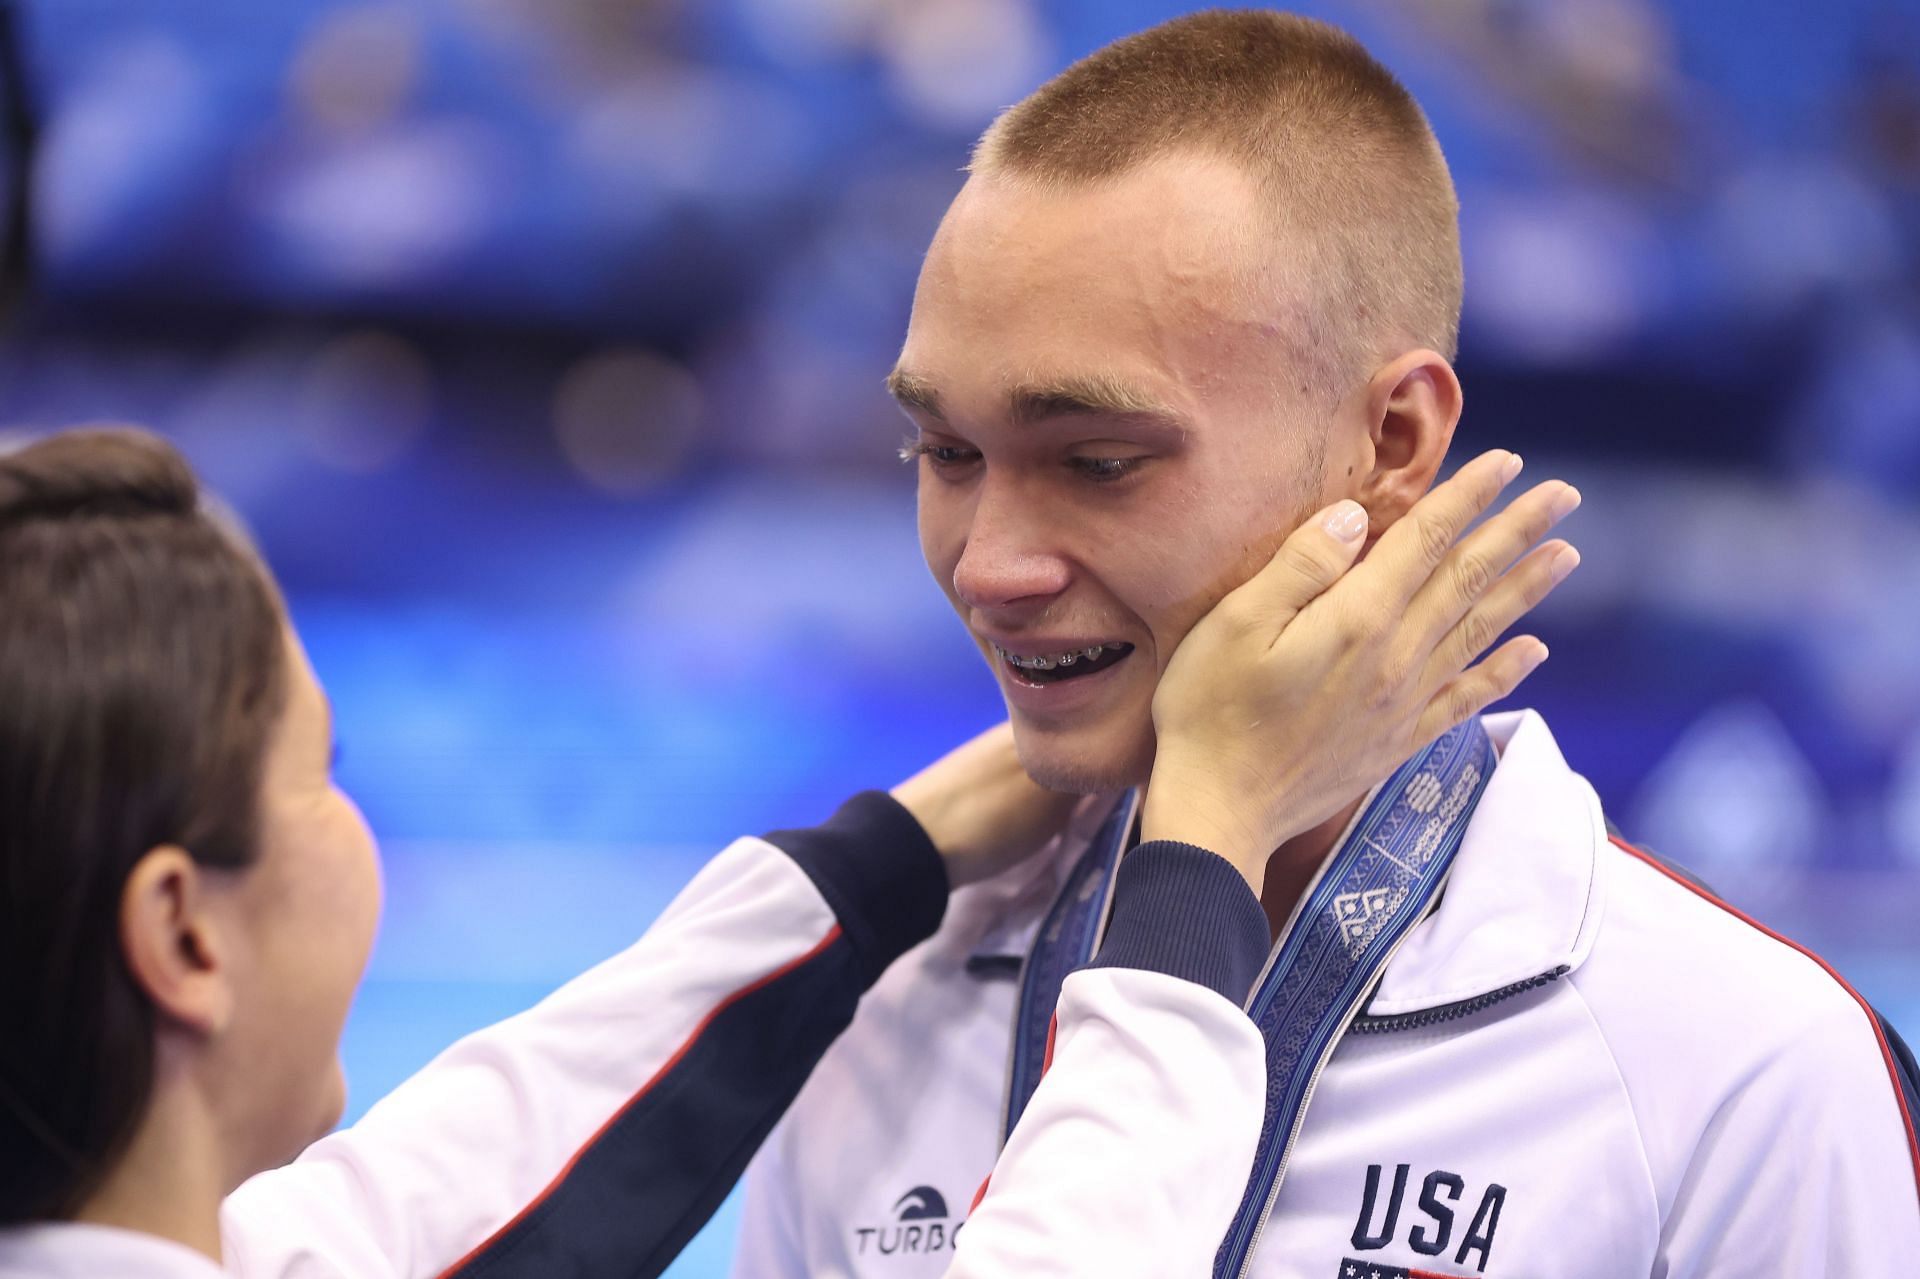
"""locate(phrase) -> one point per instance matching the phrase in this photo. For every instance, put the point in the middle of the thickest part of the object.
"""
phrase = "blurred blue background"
(541, 343)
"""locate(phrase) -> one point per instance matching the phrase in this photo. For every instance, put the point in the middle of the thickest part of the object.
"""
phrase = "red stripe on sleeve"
(1873, 1022)
(833, 935)
(980, 1194)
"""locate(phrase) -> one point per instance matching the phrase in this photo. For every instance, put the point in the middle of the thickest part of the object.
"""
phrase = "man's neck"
(1294, 864)
(172, 1177)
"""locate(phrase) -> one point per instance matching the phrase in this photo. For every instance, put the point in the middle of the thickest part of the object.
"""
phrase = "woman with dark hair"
(187, 902)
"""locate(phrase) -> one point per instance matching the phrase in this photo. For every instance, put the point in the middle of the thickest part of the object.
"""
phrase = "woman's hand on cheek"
(1308, 685)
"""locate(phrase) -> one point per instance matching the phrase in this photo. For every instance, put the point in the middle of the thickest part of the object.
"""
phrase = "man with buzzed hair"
(1201, 284)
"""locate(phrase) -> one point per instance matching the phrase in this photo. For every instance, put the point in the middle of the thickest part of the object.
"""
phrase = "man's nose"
(1011, 557)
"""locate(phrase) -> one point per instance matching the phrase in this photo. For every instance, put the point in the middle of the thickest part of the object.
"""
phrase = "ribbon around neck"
(1380, 881)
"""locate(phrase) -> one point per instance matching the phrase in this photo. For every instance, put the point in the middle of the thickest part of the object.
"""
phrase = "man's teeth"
(1047, 662)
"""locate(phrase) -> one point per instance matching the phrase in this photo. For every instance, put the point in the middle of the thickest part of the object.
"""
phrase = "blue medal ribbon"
(1067, 939)
(1373, 889)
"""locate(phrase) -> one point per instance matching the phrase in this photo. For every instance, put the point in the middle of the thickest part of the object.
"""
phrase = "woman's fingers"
(1409, 552)
(1306, 684)
(1513, 595)
(1313, 557)
(1472, 691)
(1480, 561)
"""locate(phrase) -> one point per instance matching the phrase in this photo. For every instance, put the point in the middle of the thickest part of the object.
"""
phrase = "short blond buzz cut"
(1337, 145)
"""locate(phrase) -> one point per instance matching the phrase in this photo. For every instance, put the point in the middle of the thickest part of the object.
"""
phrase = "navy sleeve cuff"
(876, 867)
(1181, 910)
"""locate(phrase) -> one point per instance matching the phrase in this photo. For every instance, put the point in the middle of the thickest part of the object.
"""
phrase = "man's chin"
(1082, 762)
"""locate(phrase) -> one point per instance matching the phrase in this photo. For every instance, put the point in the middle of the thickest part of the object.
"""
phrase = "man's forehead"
(1153, 286)
(1191, 213)
(1162, 257)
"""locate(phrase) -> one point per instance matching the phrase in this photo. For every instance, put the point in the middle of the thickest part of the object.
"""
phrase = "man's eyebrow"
(911, 391)
(1090, 396)
(1094, 395)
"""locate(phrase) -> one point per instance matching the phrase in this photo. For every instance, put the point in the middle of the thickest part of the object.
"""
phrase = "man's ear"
(172, 943)
(1412, 405)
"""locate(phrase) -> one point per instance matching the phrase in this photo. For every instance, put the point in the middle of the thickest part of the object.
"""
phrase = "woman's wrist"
(1192, 815)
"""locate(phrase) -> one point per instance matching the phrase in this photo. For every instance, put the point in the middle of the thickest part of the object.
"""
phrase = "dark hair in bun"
(100, 471)
(142, 671)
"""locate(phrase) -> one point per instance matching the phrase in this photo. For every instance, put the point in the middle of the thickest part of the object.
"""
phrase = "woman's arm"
(596, 1132)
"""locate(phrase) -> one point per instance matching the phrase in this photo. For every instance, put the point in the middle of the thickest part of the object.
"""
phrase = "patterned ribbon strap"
(1378, 884)
(1066, 941)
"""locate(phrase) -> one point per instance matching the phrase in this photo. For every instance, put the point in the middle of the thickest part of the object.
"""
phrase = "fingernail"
(1511, 467)
(1564, 563)
(1565, 502)
(1539, 656)
(1346, 521)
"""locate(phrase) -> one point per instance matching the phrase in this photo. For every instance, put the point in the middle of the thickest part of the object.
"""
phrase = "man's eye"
(1105, 469)
(945, 457)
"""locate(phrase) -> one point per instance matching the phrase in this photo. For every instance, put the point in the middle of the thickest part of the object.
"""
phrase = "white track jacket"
(594, 1134)
(1579, 1065)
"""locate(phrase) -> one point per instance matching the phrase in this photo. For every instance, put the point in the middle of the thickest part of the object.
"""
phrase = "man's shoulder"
(1672, 953)
(1708, 1015)
(1731, 1039)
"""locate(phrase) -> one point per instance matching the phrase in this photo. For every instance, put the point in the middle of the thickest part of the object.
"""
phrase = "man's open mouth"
(1052, 668)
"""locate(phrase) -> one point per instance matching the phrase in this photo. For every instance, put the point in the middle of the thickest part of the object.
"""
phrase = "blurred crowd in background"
(541, 342)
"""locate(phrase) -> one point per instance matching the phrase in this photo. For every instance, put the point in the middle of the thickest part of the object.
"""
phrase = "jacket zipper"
(1365, 1025)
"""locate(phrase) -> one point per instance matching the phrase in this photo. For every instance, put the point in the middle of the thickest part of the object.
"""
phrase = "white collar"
(1524, 896)
(1521, 899)
(74, 1250)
